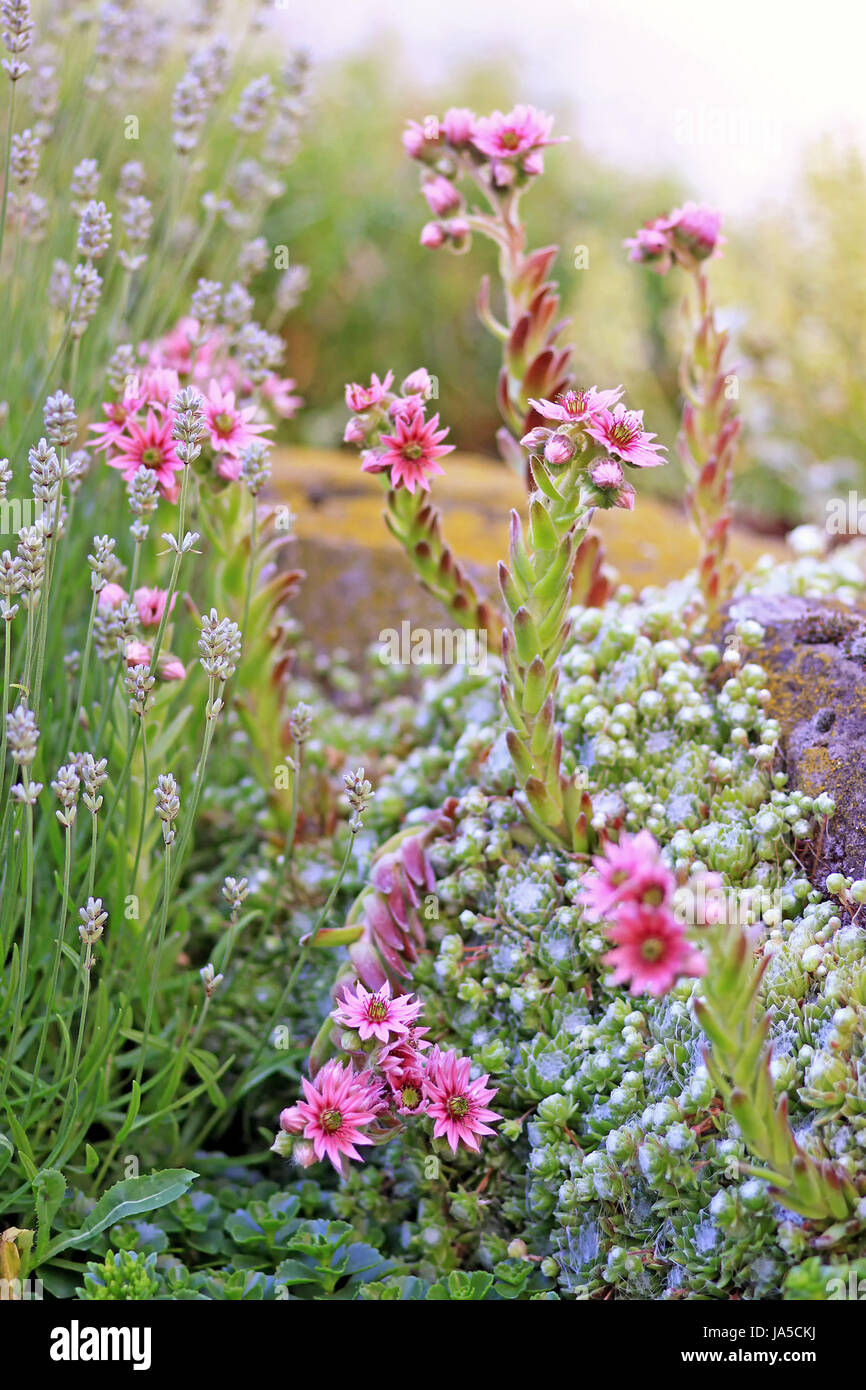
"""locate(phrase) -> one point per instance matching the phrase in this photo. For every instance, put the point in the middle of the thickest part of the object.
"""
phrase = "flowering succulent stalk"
(384, 929)
(707, 442)
(575, 466)
(738, 1061)
(398, 442)
(500, 157)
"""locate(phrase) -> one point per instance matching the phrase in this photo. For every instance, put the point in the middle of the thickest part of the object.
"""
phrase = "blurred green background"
(791, 288)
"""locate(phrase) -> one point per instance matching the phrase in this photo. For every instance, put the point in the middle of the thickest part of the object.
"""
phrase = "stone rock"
(814, 653)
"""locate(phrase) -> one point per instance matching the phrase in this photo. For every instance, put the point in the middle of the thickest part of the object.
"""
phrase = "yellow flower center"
(652, 949)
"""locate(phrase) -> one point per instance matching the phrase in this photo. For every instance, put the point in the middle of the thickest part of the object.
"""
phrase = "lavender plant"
(108, 723)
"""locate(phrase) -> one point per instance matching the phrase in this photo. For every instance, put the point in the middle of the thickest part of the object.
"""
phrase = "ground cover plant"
(529, 984)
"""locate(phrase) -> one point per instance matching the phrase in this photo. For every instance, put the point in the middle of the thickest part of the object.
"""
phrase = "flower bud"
(559, 449)
(432, 236)
(442, 197)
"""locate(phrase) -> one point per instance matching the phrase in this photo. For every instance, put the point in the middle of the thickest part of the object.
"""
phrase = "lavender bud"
(24, 157)
(167, 804)
(253, 106)
(301, 723)
(255, 466)
(358, 793)
(85, 182)
(94, 231)
(16, 35)
(206, 303)
(219, 645)
(237, 305)
(84, 297)
(65, 787)
(61, 421)
(22, 735)
(210, 981)
(93, 919)
(139, 684)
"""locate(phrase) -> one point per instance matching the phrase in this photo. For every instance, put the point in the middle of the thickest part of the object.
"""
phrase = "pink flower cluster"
(150, 604)
(392, 1072)
(197, 362)
(688, 235)
(137, 431)
(631, 887)
(590, 417)
(500, 151)
(393, 431)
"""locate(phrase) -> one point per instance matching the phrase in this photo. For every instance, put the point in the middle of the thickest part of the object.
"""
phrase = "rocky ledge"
(814, 652)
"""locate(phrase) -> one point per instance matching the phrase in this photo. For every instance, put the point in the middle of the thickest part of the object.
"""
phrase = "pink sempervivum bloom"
(176, 350)
(149, 446)
(291, 1120)
(607, 473)
(442, 197)
(159, 385)
(457, 1105)
(278, 390)
(112, 596)
(651, 951)
(631, 870)
(420, 141)
(575, 407)
(361, 398)
(651, 246)
(621, 432)
(354, 433)
(137, 654)
(404, 407)
(377, 1015)
(417, 383)
(559, 449)
(411, 453)
(229, 427)
(432, 236)
(110, 431)
(607, 476)
(171, 668)
(506, 136)
(151, 605)
(696, 229)
(333, 1110)
(403, 1067)
(458, 125)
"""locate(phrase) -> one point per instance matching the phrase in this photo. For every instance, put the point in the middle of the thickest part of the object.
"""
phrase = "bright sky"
(728, 94)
